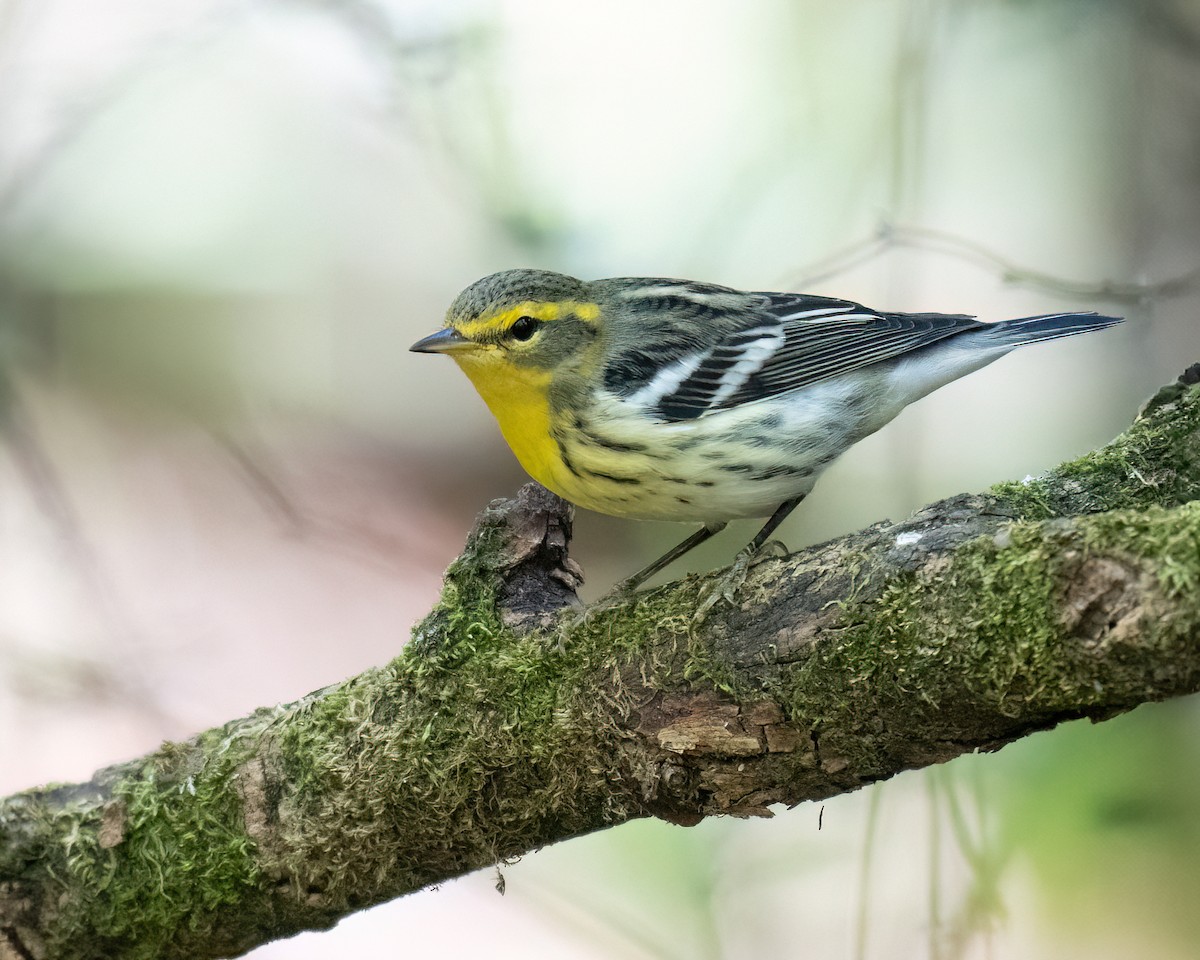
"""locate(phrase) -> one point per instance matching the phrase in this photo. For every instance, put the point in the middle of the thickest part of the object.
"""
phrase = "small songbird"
(674, 400)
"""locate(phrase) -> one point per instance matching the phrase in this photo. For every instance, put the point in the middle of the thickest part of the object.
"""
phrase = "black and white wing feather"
(773, 343)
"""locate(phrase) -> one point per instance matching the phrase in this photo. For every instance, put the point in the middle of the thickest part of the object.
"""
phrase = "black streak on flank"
(772, 473)
(617, 445)
(567, 462)
(613, 477)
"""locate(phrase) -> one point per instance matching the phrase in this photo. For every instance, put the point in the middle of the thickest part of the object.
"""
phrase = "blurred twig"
(1173, 23)
(892, 236)
(264, 482)
(120, 676)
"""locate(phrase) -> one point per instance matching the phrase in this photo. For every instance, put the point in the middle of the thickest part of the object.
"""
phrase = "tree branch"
(979, 620)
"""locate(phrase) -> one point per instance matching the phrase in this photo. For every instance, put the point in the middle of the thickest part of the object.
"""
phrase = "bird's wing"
(780, 342)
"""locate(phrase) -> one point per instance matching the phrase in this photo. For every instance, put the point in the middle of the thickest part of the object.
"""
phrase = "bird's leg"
(725, 588)
(629, 584)
(729, 584)
(768, 528)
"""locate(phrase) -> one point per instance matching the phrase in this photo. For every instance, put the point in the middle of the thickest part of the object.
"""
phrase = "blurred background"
(224, 482)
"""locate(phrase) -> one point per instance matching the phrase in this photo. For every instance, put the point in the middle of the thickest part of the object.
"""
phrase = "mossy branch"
(977, 621)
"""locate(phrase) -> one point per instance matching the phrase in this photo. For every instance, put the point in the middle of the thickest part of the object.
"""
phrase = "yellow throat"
(518, 398)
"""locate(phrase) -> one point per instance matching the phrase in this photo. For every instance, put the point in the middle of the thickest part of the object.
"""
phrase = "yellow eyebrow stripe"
(500, 322)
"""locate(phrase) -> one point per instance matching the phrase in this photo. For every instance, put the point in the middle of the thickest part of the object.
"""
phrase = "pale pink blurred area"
(167, 578)
(225, 483)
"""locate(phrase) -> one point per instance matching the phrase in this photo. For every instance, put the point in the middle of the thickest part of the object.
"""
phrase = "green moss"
(478, 742)
(978, 629)
(442, 769)
(984, 630)
(1168, 539)
(1154, 463)
(466, 609)
(983, 633)
(182, 853)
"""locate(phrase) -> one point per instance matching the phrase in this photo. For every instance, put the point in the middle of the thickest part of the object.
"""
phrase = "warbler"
(674, 400)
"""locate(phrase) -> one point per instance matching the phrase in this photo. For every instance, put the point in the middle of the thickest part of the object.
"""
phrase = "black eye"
(524, 328)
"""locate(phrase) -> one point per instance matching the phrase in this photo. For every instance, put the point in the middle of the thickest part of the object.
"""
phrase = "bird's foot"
(622, 590)
(731, 582)
(772, 550)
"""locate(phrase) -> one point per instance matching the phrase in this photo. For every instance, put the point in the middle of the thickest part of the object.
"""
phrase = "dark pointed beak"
(444, 341)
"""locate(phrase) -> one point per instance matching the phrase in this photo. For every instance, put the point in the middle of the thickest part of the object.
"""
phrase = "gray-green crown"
(500, 291)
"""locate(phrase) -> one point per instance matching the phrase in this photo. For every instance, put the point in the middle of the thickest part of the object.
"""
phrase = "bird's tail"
(1050, 326)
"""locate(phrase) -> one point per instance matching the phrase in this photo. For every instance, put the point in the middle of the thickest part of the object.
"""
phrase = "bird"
(663, 399)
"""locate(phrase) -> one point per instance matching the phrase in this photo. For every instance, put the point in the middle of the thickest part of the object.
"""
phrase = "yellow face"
(509, 356)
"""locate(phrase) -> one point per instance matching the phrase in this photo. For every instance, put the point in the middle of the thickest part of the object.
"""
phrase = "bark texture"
(979, 620)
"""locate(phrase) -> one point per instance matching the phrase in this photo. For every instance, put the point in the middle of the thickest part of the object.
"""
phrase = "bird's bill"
(446, 340)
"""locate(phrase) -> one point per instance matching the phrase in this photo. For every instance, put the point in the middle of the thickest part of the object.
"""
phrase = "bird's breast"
(519, 400)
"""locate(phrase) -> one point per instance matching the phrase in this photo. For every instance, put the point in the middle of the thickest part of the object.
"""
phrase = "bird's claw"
(621, 590)
(727, 587)
(772, 549)
(732, 581)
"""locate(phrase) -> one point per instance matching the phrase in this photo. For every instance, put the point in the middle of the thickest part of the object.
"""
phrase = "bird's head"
(534, 320)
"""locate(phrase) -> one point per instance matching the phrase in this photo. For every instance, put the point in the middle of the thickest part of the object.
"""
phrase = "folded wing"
(777, 343)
